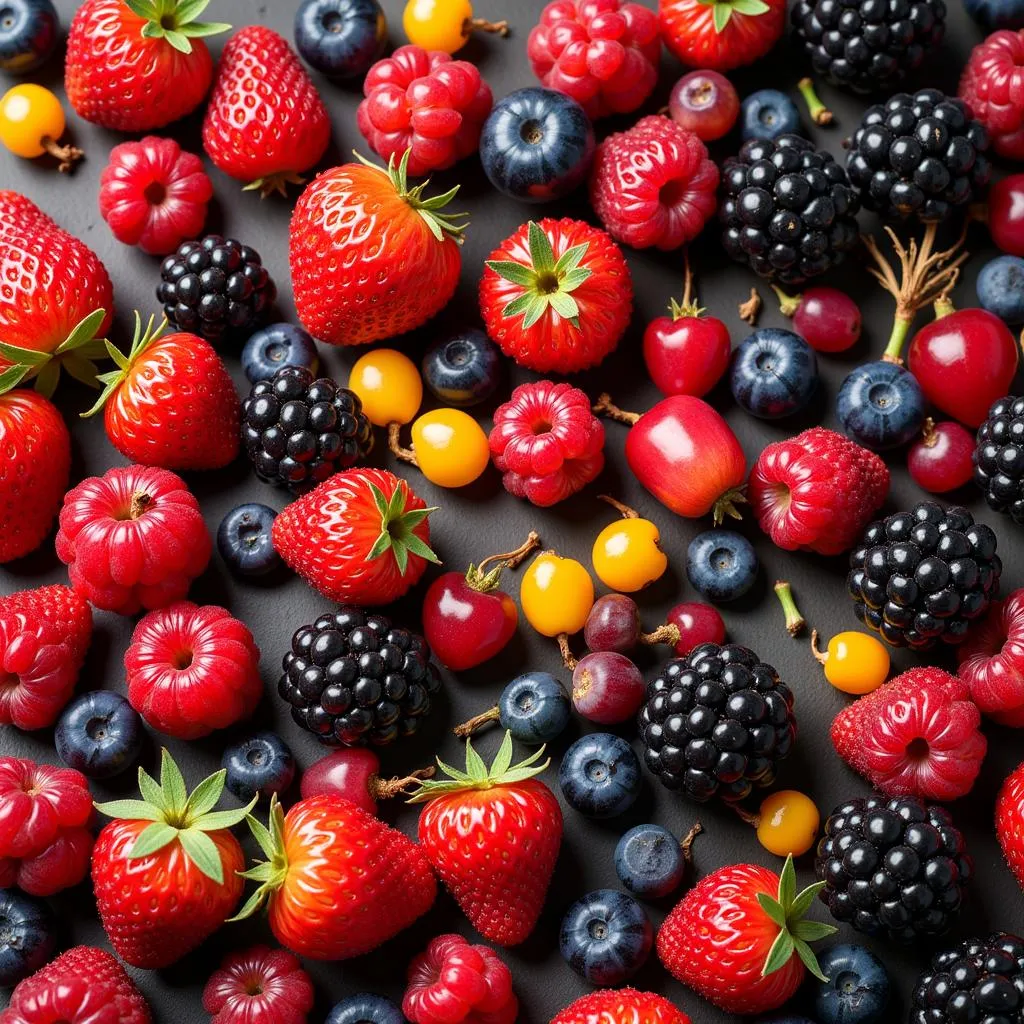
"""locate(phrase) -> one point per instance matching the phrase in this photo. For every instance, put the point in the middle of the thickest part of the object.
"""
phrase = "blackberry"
(978, 980)
(214, 287)
(921, 576)
(919, 155)
(868, 45)
(999, 457)
(299, 430)
(716, 722)
(788, 209)
(353, 679)
(892, 867)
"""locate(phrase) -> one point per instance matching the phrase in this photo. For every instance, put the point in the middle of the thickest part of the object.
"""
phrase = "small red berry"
(354, 773)
(607, 687)
(1006, 214)
(261, 985)
(826, 318)
(698, 624)
(992, 85)
(705, 103)
(942, 459)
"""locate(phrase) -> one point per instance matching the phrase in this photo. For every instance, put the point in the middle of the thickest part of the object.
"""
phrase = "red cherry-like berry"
(613, 624)
(607, 687)
(992, 660)
(1006, 214)
(602, 53)
(354, 773)
(826, 318)
(992, 86)
(705, 103)
(698, 623)
(261, 985)
(425, 100)
(942, 459)
(154, 195)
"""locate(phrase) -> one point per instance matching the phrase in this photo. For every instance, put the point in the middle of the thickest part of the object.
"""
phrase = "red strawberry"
(361, 537)
(170, 402)
(265, 123)
(721, 34)
(992, 660)
(739, 937)
(136, 65)
(816, 491)
(620, 1006)
(362, 245)
(56, 302)
(556, 296)
(259, 986)
(992, 86)
(916, 735)
(1010, 821)
(493, 838)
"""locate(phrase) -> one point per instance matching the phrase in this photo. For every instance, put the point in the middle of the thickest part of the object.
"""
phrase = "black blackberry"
(788, 209)
(918, 155)
(214, 287)
(980, 980)
(999, 457)
(921, 576)
(868, 45)
(298, 431)
(717, 721)
(354, 679)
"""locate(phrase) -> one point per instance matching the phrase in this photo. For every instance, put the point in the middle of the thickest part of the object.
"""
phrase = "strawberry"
(337, 882)
(740, 939)
(493, 838)
(136, 65)
(265, 123)
(363, 245)
(167, 871)
(56, 302)
(720, 35)
(170, 402)
(361, 537)
(620, 1006)
(1010, 821)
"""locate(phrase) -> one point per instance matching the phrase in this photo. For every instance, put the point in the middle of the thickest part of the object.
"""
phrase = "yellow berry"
(787, 823)
(856, 662)
(626, 555)
(451, 449)
(556, 594)
(388, 384)
(437, 24)
(28, 115)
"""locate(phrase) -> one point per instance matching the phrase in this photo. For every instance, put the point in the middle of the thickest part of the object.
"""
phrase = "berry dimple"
(259, 984)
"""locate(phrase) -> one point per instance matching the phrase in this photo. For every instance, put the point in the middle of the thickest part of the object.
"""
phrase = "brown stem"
(928, 435)
(514, 558)
(403, 454)
(482, 25)
(139, 503)
(470, 726)
(686, 844)
(568, 658)
(385, 789)
(751, 309)
(821, 657)
(604, 407)
(68, 155)
(668, 633)
(624, 510)
(687, 280)
(745, 815)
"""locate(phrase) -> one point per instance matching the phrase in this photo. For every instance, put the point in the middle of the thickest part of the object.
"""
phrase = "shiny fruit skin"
(992, 660)
(857, 662)
(28, 114)
(389, 386)
(345, 773)
(613, 624)
(556, 594)
(688, 30)
(28, 35)
(705, 103)
(788, 823)
(686, 354)
(466, 627)
(627, 555)
(827, 319)
(1006, 214)
(607, 688)
(437, 24)
(698, 623)
(941, 461)
(451, 449)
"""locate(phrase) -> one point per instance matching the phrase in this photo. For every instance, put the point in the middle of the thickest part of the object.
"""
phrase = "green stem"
(897, 339)
(820, 114)
(943, 307)
(788, 304)
(794, 620)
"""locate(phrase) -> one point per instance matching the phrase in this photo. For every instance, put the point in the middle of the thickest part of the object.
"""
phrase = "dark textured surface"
(482, 519)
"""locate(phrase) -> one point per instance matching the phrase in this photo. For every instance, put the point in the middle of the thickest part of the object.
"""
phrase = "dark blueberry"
(99, 734)
(28, 936)
(258, 766)
(600, 775)
(996, 14)
(274, 346)
(606, 937)
(1000, 288)
(340, 38)
(649, 861)
(774, 373)
(767, 114)
(244, 540)
(721, 564)
(857, 990)
(464, 369)
(29, 30)
(534, 707)
(881, 405)
(365, 1008)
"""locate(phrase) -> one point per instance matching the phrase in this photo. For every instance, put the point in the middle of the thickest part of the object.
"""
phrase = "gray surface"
(482, 519)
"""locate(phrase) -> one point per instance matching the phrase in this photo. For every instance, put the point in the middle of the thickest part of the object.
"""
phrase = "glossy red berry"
(613, 624)
(941, 460)
(1006, 214)
(705, 103)
(698, 623)
(826, 318)
(354, 773)
(607, 687)
(992, 85)
(259, 984)
(992, 660)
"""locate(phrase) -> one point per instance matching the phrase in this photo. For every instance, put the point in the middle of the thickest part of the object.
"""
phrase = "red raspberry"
(133, 538)
(653, 184)
(453, 982)
(916, 735)
(602, 53)
(992, 660)
(192, 669)
(992, 85)
(816, 491)
(546, 442)
(153, 194)
(424, 99)
(257, 985)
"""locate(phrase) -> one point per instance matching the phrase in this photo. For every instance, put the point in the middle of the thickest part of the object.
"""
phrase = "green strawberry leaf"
(130, 810)
(541, 254)
(142, 339)
(13, 376)
(772, 908)
(780, 953)
(151, 791)
(503, 759)
(571, 258)
(13, 354)
(47, 378)
(144, 9)
(152, 839)
(272, 872)
(205, 796)
(475, 767)
(812, 931)
(754, 8)
(721, 13)
(81, 369)
(203, 852)
(810, 961)
(189, 10)
(517, 273)
(787, 885)
(173, 785)
(83, 332)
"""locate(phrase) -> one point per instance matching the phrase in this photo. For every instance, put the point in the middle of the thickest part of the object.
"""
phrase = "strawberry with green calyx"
(74, 354)
(719, 35)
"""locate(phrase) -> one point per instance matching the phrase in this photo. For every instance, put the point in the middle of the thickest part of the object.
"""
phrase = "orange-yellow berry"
(388, 384)
(787, 823)
(30, 114)
(451, 449)
(437, 24)
(626, 555)
(556, 594)
(855, 662)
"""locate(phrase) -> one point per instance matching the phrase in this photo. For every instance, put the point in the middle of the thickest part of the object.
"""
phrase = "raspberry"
(547, 442)
(259, 984)
(992, 86)
(816, 491)
(425, 100)
(602, 53)
(992, 660)
(653, 185)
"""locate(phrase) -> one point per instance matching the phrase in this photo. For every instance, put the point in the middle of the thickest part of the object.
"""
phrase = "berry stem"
(820, 114)
(395, 445)
(511, 559)
(795, 622)
(667, 633)
(821, 657)
(897, 339)
(569, 659)
(929, 436)
(139, 503)
(385, 789)
(753, 820)
(726, 505)
(687, 279)
(788, 304)
(604, 407)
(471, 25)
(67, 155)
(943, 305)
(470, 726)
(689, 306)
(750, 310)
(624, 510)
(686, 844)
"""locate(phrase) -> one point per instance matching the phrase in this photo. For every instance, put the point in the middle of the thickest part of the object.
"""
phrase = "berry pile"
(999, 457)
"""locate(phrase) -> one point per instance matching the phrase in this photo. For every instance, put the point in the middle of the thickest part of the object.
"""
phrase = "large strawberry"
(337, 881)
(361, 537)
(721, 34)
(620, 1006)
(136, 65)
(370, 256)
(493, 838)
(265, 123)
(56, 301)
(167, 871)
(170, 402)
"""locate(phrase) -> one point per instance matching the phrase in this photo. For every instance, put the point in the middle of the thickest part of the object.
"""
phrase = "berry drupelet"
(922, 576)
(788, 209)
(354, 679)
(999, 457)
(717, 722)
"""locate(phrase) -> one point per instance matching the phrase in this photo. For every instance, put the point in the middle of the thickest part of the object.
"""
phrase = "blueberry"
(28, 935)
(600, 775)
(1000, 288)
(993, 14)
(649, 861)
(274, 346)
(721, 564)
(536, 145)
(534, 707)
(464, 369)
(244, 541)
(29, 30)
(605, 937)
(774, 373)
(99, 734)
(340, 38)
(857, 989)
(767, 114)
(261, 764)
(365, 1008)
(880, 405)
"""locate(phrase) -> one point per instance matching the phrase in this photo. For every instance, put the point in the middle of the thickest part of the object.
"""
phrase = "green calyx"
(141, 340)
(270, 873)
(175, 21)
(679, 310)
(177, 815)
(788, 910)
(484, 581)
(478, 776)
(397, 528)
(723, 10)
(74, 354)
